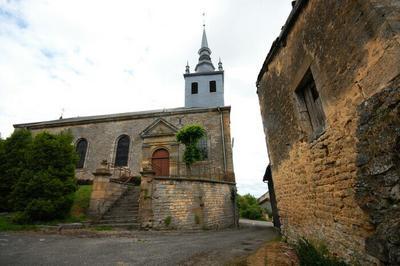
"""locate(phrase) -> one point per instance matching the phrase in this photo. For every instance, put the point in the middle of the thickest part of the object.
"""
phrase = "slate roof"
(117, 117)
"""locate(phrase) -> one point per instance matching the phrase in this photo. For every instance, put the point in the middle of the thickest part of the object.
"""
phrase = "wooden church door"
(160, 162)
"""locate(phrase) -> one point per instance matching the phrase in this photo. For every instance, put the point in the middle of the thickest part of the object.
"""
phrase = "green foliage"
(249, 208)
(197, 218)
(103, 228)
(312, 255)
(45, 188)
(37, 175)
(137, 180)
(13, 157)
(167, 220)
(190, 136)
(81, 203)
(6, 224)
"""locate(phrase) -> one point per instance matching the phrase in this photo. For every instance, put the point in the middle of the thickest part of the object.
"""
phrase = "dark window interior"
(202, 145)
(213, 86)
(81, 148)
(312, 107)
(121, 157)
(195, 88)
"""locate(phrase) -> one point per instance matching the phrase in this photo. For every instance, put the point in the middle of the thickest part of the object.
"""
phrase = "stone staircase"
(124, 212)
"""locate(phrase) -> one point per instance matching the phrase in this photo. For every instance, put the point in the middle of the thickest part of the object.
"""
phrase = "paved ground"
(132, 248)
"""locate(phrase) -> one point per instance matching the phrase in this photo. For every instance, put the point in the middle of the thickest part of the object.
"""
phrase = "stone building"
(130, 141)
(331, 82)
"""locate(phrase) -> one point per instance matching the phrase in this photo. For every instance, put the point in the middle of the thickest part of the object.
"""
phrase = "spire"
(204, 42)
(187, 69)
(220, 68)
(205, 64)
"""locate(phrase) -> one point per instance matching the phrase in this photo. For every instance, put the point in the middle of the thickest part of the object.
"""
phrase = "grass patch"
(77, 214)
(103, 228)
(7, 225)
(81, 204)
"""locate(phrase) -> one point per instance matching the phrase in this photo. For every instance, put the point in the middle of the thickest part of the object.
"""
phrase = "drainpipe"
(222, 138)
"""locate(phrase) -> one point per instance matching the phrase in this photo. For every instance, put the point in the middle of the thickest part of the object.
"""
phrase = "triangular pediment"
(159, 127)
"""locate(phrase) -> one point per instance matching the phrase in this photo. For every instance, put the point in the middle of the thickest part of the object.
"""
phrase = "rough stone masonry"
(331, 83)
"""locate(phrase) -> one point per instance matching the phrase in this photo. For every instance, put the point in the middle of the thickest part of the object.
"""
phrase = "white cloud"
(98, 57)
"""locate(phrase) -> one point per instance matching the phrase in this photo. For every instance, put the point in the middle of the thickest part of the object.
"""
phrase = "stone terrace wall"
(353, 53)
(192, 204)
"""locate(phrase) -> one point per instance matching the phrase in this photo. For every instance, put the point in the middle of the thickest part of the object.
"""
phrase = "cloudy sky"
(101, 57)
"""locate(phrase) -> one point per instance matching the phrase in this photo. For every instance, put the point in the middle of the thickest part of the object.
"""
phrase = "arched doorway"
(160, 162)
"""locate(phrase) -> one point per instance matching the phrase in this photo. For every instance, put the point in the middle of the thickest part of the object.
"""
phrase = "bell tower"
(205, 86)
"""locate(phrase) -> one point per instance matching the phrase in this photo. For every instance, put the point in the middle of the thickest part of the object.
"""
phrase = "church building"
(128, 141)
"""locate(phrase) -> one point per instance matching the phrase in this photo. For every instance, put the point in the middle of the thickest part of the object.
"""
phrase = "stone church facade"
(331, 82)
(131, 142)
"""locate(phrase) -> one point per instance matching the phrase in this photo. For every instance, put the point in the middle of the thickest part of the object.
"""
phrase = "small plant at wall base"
(190, 136)
(167, 220)
(315, 255)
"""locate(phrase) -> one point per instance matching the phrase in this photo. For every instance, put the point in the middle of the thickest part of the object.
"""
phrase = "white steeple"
(205, 86)
(205, 63)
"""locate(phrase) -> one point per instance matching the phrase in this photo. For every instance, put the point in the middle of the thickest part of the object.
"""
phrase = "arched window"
(121, 156)
(81, 148)
(202, 145)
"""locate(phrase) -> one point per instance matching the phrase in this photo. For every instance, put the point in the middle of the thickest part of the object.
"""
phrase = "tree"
(45, 187)
(249, 208)
(13, 161)
(190, 136)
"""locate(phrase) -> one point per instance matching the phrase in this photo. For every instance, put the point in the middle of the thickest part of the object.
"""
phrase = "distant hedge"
(37, 175)
(249, 208)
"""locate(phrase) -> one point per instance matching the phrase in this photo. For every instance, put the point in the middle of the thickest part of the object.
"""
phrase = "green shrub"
(137, 180)
(7, 223)
(190, 136)
(312, 255)
(197, 218)
(45, 188)
(249, 208)
(13, 161)
(167, 220)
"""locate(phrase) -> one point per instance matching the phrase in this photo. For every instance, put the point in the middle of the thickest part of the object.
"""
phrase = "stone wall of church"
(353, 51)
(102, 138)
(193, 204)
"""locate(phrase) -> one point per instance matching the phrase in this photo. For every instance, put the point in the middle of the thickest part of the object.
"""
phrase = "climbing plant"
(190, 135)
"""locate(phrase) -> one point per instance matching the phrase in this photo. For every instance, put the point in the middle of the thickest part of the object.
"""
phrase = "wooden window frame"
(310, 105)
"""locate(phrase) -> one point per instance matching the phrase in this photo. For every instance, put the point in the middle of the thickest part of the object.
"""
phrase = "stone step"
(118, 221)
(121, 214)
(127, 225)
(125, 209)
(126, 205)
(129, 208)
(119, 218)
